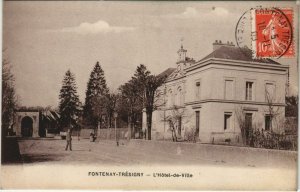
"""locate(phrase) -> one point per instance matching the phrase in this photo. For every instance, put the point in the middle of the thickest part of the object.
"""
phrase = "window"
(179, 125)
(229, 89)
(176, 100)
(249, 91)
(227, 121)
(270, 92)
(248, 122)
(197, 90)
(179, 96)
(268, 122)
(197, 123)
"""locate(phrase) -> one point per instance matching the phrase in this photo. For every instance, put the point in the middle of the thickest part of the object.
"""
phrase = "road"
(46, 164)
(100, 152)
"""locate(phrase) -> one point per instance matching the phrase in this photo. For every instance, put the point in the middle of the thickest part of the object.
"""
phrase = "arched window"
(182, 98)
(179, 96)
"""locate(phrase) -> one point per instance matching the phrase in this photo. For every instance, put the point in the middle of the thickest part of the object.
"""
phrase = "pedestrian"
(92, 137)
(69, 140)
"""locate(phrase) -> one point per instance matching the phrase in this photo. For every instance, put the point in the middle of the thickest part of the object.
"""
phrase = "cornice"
(232, 101)
(237, 63)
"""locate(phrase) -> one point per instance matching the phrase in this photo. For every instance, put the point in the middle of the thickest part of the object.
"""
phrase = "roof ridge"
(230, 52)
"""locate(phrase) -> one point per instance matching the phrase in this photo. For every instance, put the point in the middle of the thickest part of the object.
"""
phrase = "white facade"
(212, 93)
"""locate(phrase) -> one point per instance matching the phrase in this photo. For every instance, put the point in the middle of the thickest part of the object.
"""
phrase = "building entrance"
(26, 127)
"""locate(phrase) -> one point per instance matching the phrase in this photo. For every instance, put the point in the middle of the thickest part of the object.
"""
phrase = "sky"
(42, 40)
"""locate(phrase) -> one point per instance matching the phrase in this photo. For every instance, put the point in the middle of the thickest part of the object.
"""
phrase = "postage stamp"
(272, 33)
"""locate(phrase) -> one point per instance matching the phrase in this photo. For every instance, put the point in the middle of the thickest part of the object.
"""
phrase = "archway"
(26, 127)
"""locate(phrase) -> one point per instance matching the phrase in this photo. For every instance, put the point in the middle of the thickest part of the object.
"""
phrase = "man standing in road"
(69, 140)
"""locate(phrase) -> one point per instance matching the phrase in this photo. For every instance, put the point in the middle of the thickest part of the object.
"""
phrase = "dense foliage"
(69, 106)
(9, 100)
(95, 99)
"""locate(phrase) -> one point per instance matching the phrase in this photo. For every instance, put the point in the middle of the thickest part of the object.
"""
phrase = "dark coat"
(69, 136)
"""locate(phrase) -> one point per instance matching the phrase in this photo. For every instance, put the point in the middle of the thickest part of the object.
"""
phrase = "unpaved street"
(46, 158)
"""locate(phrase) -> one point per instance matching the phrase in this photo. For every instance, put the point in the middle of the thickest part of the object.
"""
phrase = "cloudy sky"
(45, 39)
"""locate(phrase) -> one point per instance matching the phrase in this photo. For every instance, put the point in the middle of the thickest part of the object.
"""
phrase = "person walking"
(69, 140)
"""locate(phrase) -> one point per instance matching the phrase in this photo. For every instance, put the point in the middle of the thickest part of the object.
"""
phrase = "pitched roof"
(236, 53)
(167, 72)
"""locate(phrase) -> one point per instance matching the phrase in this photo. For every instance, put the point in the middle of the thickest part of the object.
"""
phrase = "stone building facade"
(27, 123)
(211, 96)
(35, 123)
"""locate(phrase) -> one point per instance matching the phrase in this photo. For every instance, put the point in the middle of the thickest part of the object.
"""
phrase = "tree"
(291, 109)
(110, 105)
(9, 100)
(174, 118)
(96, 92)
(240, 117)
(149, 84)
(272, 110)
(132, 99)
(69, 106)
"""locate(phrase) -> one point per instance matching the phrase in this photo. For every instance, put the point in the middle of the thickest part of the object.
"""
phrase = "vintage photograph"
(150, 95)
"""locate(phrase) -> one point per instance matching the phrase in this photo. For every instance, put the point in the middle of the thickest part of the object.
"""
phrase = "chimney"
(218, 43)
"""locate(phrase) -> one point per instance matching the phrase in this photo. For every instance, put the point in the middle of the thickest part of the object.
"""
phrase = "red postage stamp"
(273, 33)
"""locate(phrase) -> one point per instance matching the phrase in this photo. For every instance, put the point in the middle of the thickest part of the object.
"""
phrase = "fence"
(109, 133)
(271, 140)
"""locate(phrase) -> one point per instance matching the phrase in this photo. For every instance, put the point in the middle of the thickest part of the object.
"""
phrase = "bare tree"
(240, 116)
(175, 118)
(272, 109)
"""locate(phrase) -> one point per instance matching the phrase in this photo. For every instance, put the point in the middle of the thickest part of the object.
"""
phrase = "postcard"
(150, 95)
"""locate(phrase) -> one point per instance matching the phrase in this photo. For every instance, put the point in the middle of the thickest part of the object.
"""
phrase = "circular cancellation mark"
(266, 32)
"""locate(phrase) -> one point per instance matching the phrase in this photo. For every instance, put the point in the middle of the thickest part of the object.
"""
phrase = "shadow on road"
(10, 152)
(31, 158)
(80, 150)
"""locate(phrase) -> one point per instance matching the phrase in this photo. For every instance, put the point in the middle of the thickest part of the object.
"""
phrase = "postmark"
(268, 32)
(273, 33)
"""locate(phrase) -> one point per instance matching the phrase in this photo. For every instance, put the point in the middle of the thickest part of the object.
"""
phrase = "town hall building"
(211, 96)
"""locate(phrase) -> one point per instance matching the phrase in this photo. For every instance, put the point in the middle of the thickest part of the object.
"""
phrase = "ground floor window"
(268, 122)
(197, 123)
(227, 121)
(179, 125)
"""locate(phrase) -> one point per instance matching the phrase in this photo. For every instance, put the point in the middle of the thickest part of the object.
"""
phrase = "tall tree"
(69, 106)
(291, 109)
(132, 100)
(95, 97)
(149, 85)
(110, 105)
(9, 100)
